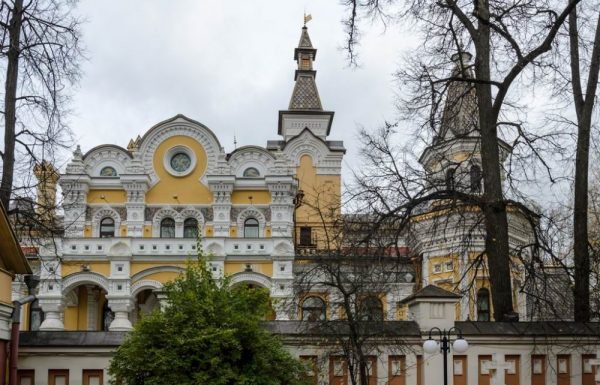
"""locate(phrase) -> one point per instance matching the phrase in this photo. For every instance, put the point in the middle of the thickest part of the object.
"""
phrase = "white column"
(52, 308)
(121, 306)
(92, 307)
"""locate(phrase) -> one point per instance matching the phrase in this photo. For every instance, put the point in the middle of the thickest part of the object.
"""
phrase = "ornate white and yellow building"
(132, 215)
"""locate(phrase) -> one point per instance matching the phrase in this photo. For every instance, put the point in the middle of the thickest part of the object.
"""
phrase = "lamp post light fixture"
(459, 345)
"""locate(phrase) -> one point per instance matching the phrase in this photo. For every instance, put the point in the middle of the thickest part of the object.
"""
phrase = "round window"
(180, 162)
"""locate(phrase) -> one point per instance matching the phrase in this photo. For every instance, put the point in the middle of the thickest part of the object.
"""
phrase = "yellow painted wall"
(76, 316)
(137, 267)
(87, 231)
(258, 197)
(147, 231)
(5, 287)
(265, 268)
(163, 276)
(321, 192)
(208, 231)
(233, 232)
(187, 188)
(110, 196)
(70, 267)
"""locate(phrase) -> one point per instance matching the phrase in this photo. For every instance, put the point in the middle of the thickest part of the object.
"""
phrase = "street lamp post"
(459, 345)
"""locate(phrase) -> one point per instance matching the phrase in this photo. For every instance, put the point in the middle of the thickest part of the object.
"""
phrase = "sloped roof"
(431, 291)
(305, 95)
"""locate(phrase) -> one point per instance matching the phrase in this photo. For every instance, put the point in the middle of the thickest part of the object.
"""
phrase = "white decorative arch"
(120, 249)
(251, 277)
(190, 212)
(165, 212)
(284, 248)
(106, 155)
(215, 248)
(251, 212)
(143, 285)
(250, 156)
(83, 278)
(103, 213)
(158, 269)
(178, 125)
(306, 144)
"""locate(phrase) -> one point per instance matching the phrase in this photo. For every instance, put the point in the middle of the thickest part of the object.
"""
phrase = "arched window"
(251, 228)
(475, 176)
(107, 228)
(108, 171)
(313, 309)
(167, 228)
(450, 178)
(251, 172)
(190, 228)
(36, 316)
(483, 304)
(371, 309)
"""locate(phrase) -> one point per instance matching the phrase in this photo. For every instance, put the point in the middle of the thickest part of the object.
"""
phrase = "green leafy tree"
(209, 333)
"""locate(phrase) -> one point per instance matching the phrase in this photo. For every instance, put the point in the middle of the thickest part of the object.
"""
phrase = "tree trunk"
(494, 207)
(584, 106)
(10, 103)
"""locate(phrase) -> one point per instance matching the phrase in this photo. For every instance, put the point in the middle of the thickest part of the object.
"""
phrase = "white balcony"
(99, 247)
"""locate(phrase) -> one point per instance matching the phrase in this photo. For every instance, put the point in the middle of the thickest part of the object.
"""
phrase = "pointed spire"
(305, 110)
(305, 95)
(460, 115)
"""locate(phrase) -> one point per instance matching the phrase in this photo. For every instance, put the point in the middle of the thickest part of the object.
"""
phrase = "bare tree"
(40, 50)
(584, 102)
(507, 39)
(343, 284)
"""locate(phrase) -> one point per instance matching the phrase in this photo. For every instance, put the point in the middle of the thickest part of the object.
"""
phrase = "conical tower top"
(305, 95)
(460, 115)
(305, 110)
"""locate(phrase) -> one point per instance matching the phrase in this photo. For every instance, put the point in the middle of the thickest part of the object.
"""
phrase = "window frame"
(187, 226)
(105, 233)
(254, 226)
(308, 310)
(164, 227)
(483, 293)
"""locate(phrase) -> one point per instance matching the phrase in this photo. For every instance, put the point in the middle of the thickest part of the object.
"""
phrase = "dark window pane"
(167, 228)
(251, 228)
(107, 228)
(305, 236)
(190, 228)
(313, 309)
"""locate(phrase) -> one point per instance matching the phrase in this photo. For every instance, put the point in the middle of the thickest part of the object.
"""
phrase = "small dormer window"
(108, 171)
(251, 172)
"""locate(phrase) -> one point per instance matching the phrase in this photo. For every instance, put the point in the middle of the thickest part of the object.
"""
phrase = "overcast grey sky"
(227, 64)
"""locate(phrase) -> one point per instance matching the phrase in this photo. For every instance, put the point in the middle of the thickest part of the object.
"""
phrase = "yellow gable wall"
(258, 197)
(321, 192)
(187, 188)
(106, 196)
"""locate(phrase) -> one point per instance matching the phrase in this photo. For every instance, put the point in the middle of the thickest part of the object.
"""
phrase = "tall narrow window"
(483, 305)
(371, 309)
(107, 228)
(450, 178)
(190, 228)
(305, 236)
(251, 228)
(475, 177)
(167, 228)
(313, 309)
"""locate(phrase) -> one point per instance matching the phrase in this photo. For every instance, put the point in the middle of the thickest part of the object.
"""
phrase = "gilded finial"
(307, 18)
